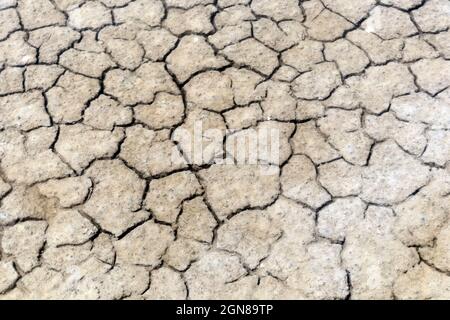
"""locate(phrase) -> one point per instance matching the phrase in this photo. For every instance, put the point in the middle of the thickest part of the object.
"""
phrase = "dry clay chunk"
(388, 179)
(115, 203)
(299, 182)
(192, 55)
(24, 241)
(144, 245)
(142, 84)
(196, 221)
(245, 185)
(8, 276)
(253, 54)
(166, 195)
(69, 227)
(23, 110)
(69, 191)
(161, 156)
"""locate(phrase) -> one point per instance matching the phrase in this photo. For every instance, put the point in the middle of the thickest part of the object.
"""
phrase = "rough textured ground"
(95, 96)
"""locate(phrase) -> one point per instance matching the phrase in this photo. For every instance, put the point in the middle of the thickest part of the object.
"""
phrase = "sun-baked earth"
(95, 96)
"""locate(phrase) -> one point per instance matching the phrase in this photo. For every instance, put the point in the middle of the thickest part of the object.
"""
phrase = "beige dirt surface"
(105, 193)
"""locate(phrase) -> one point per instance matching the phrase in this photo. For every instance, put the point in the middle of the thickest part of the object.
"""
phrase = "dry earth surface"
(95, 96)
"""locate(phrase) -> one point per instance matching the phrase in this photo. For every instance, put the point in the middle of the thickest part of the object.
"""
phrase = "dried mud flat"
(101, 198)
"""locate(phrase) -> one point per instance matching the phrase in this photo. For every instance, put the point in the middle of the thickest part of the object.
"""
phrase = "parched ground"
(101, 196)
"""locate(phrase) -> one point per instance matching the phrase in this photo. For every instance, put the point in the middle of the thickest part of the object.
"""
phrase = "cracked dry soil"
(94, 96)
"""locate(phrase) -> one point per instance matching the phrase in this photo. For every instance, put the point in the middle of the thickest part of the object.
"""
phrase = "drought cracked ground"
(101, 196)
